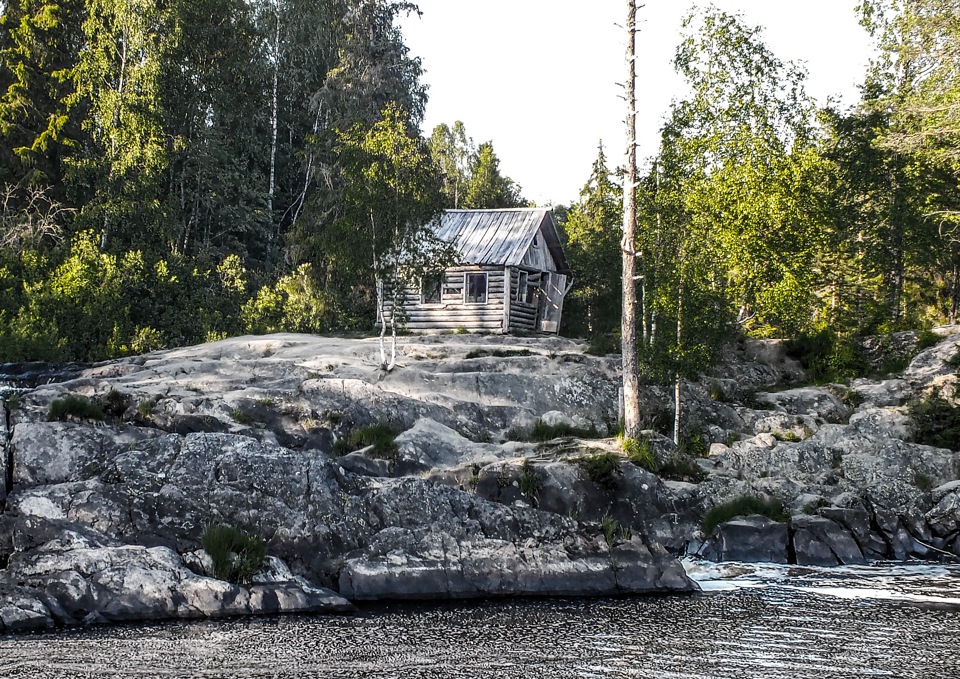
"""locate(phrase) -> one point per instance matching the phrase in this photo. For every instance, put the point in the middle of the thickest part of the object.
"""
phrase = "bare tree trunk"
(677, 383)
(271, 188)
(380, 303)
(628, 327)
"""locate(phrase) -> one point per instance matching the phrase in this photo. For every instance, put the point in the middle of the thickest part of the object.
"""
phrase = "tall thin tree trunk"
(628, 327)
(677, 382)
(271, 188)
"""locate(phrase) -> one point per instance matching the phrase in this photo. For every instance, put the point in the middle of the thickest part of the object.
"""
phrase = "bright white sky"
(539, 77)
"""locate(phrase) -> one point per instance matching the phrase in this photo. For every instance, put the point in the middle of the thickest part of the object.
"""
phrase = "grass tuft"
(236, 554)
(380, 436)
(640, 453)
(530, 482)
(745, 505)
(74, 406)
(603, 469)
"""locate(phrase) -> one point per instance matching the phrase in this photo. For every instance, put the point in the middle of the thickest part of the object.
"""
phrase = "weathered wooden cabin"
(511, 275)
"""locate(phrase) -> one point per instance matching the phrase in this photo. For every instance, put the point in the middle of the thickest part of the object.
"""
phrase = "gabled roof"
(500, 237)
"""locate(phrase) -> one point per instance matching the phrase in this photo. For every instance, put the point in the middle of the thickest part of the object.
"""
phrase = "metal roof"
(500, 237)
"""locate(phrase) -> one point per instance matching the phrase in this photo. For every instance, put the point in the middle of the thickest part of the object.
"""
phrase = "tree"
(39, 44)
(393, 196)
(117, 85)
(592, 228)
(745, 140)
(451, 150)
(487, 188)
(628, 246)
(915, 86)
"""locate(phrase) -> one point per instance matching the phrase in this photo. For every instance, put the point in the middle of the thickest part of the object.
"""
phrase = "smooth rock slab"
(818, 541)
(436, 567)
(751, 539)
(136, 583)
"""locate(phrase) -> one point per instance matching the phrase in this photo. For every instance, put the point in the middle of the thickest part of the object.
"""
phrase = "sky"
(540, 78)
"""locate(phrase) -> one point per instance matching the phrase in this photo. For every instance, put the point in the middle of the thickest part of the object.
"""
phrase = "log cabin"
(511, 275)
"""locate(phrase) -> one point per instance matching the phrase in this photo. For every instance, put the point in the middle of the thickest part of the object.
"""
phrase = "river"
(751, 621)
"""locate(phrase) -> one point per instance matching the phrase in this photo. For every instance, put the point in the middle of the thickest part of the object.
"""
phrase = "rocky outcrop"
(253, 432)
(105, 518)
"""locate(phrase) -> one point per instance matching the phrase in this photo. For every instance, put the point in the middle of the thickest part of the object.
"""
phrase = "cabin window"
(430, 287)
(522, 286)
(476, 288)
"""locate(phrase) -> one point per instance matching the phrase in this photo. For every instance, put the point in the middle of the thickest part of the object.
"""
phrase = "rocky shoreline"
(103, 514)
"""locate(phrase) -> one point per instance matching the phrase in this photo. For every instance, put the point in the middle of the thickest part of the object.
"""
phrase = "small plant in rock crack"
(236, 554)
(640, 453)
(530, 482)
(613, 531)
(603, 470)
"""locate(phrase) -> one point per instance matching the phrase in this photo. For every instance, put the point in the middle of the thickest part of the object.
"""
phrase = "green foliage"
(603, 469)
(745, 505)
(827, 357)
(592, 230)
(641, 454)
(613, 532)
(380, 436)
(236, 554)
(937, 422)
(603, 344)
(530, 482)
(74, 406)
(12, 402)
(926, 339)
(694, 445)
(682, 468)
(541, 431)
(486, 187)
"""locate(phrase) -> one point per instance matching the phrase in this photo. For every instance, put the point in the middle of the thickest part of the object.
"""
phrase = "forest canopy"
(181, 171)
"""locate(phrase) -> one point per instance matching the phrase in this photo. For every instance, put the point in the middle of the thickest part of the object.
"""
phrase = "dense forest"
(180, 171)
(765, 214)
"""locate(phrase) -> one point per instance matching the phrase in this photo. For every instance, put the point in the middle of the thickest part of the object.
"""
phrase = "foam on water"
(918, 583)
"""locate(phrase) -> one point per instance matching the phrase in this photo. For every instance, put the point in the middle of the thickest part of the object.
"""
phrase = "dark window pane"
(477, 288)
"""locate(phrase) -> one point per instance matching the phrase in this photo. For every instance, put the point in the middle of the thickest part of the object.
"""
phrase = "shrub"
(745, 505)
(74, 406)
(938, 422)
(603, 469)
(926, 339)
(639, 452)
(236, 554)
(603, 345)
(380, 436)
(827, 356)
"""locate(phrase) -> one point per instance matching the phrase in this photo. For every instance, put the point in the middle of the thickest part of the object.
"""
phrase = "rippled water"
(749, 622)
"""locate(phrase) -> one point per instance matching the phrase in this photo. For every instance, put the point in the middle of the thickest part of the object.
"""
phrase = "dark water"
(751, 622)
